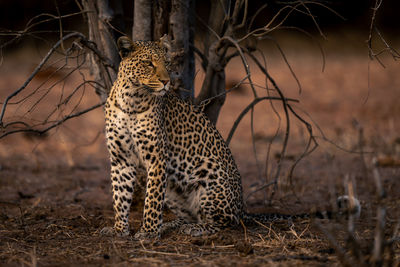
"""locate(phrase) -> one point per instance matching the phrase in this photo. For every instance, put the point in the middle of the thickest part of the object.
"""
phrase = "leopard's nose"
(165, 81)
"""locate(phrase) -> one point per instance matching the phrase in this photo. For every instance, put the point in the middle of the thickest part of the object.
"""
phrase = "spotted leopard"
(188, 165)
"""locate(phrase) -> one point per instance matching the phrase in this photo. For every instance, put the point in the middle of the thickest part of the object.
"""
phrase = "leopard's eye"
(149, 63)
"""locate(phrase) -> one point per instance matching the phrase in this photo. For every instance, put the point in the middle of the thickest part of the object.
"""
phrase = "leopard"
(167, 147)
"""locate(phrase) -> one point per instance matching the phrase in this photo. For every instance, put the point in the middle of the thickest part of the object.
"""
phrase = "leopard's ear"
(164, 42)
(125, 46)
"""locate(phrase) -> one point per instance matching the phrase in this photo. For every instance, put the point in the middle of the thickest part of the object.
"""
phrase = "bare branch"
(374, 28)
(242, 57)
(37, 69)
(247, 109)
(58, 123)
(308, 149)
(285, 108)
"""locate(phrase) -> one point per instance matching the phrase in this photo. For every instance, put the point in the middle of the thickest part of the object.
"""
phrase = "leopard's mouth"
(166, 86)
(164, 89)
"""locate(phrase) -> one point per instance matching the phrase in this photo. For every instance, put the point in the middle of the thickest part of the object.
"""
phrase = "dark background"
(356, 14)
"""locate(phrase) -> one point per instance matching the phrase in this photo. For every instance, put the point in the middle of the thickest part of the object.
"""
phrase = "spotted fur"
(189, 167)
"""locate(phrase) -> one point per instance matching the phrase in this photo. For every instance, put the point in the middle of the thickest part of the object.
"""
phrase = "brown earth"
(55, 190)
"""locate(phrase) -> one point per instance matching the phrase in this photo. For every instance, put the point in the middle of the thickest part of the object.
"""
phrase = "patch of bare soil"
(55, 190)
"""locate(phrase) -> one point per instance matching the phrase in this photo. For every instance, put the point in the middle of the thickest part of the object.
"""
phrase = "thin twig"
(66, 118)
(285, 108)
(307, 150)
(37, 69)
(247, 109)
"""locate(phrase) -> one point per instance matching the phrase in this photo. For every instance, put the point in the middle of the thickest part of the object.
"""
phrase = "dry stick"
(17, 102)
(29, 26)
(267, 173)
(205, 102)
(361, 139)
(285, 108)
(51, 87)
(244, 229)
(313, 19)
(387, 47)
(259, 32)
(307, 150)
(269, 146)
(286, 61)
(65, 101)
(380, 191)
(247, 109)
(326, 139)
(164, 253)
(77, 114)
(243, 58)
(255, 15)
(371, 26)
(378, 250)
(37, 69)
(311, 140)
(351, 238)
(313, 39)
(23, 99)
(92, 46)
(318, 4)
(244, 19)
(60, 25)
(266, 29)
(391, 50)
(253, 141)
(79, 100)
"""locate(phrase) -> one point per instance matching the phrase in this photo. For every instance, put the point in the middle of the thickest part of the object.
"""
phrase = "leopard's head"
(145, 62)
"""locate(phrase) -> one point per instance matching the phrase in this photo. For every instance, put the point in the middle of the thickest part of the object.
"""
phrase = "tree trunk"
(175, 17)
(142, 20)
(214, 81)
(182, 56)
(213, 85)
(102, 35)
(161, 10)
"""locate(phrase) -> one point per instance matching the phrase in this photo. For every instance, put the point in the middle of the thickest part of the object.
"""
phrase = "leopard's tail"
(345, 206)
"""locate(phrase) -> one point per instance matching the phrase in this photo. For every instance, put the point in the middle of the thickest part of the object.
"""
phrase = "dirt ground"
(55, 190)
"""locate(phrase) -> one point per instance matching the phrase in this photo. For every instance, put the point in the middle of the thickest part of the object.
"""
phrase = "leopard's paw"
(110, 231)
(143, 235)
(198, 229)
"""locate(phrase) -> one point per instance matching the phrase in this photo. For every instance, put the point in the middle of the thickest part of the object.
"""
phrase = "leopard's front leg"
(123, 180)
(124, 161)
(155, 162)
